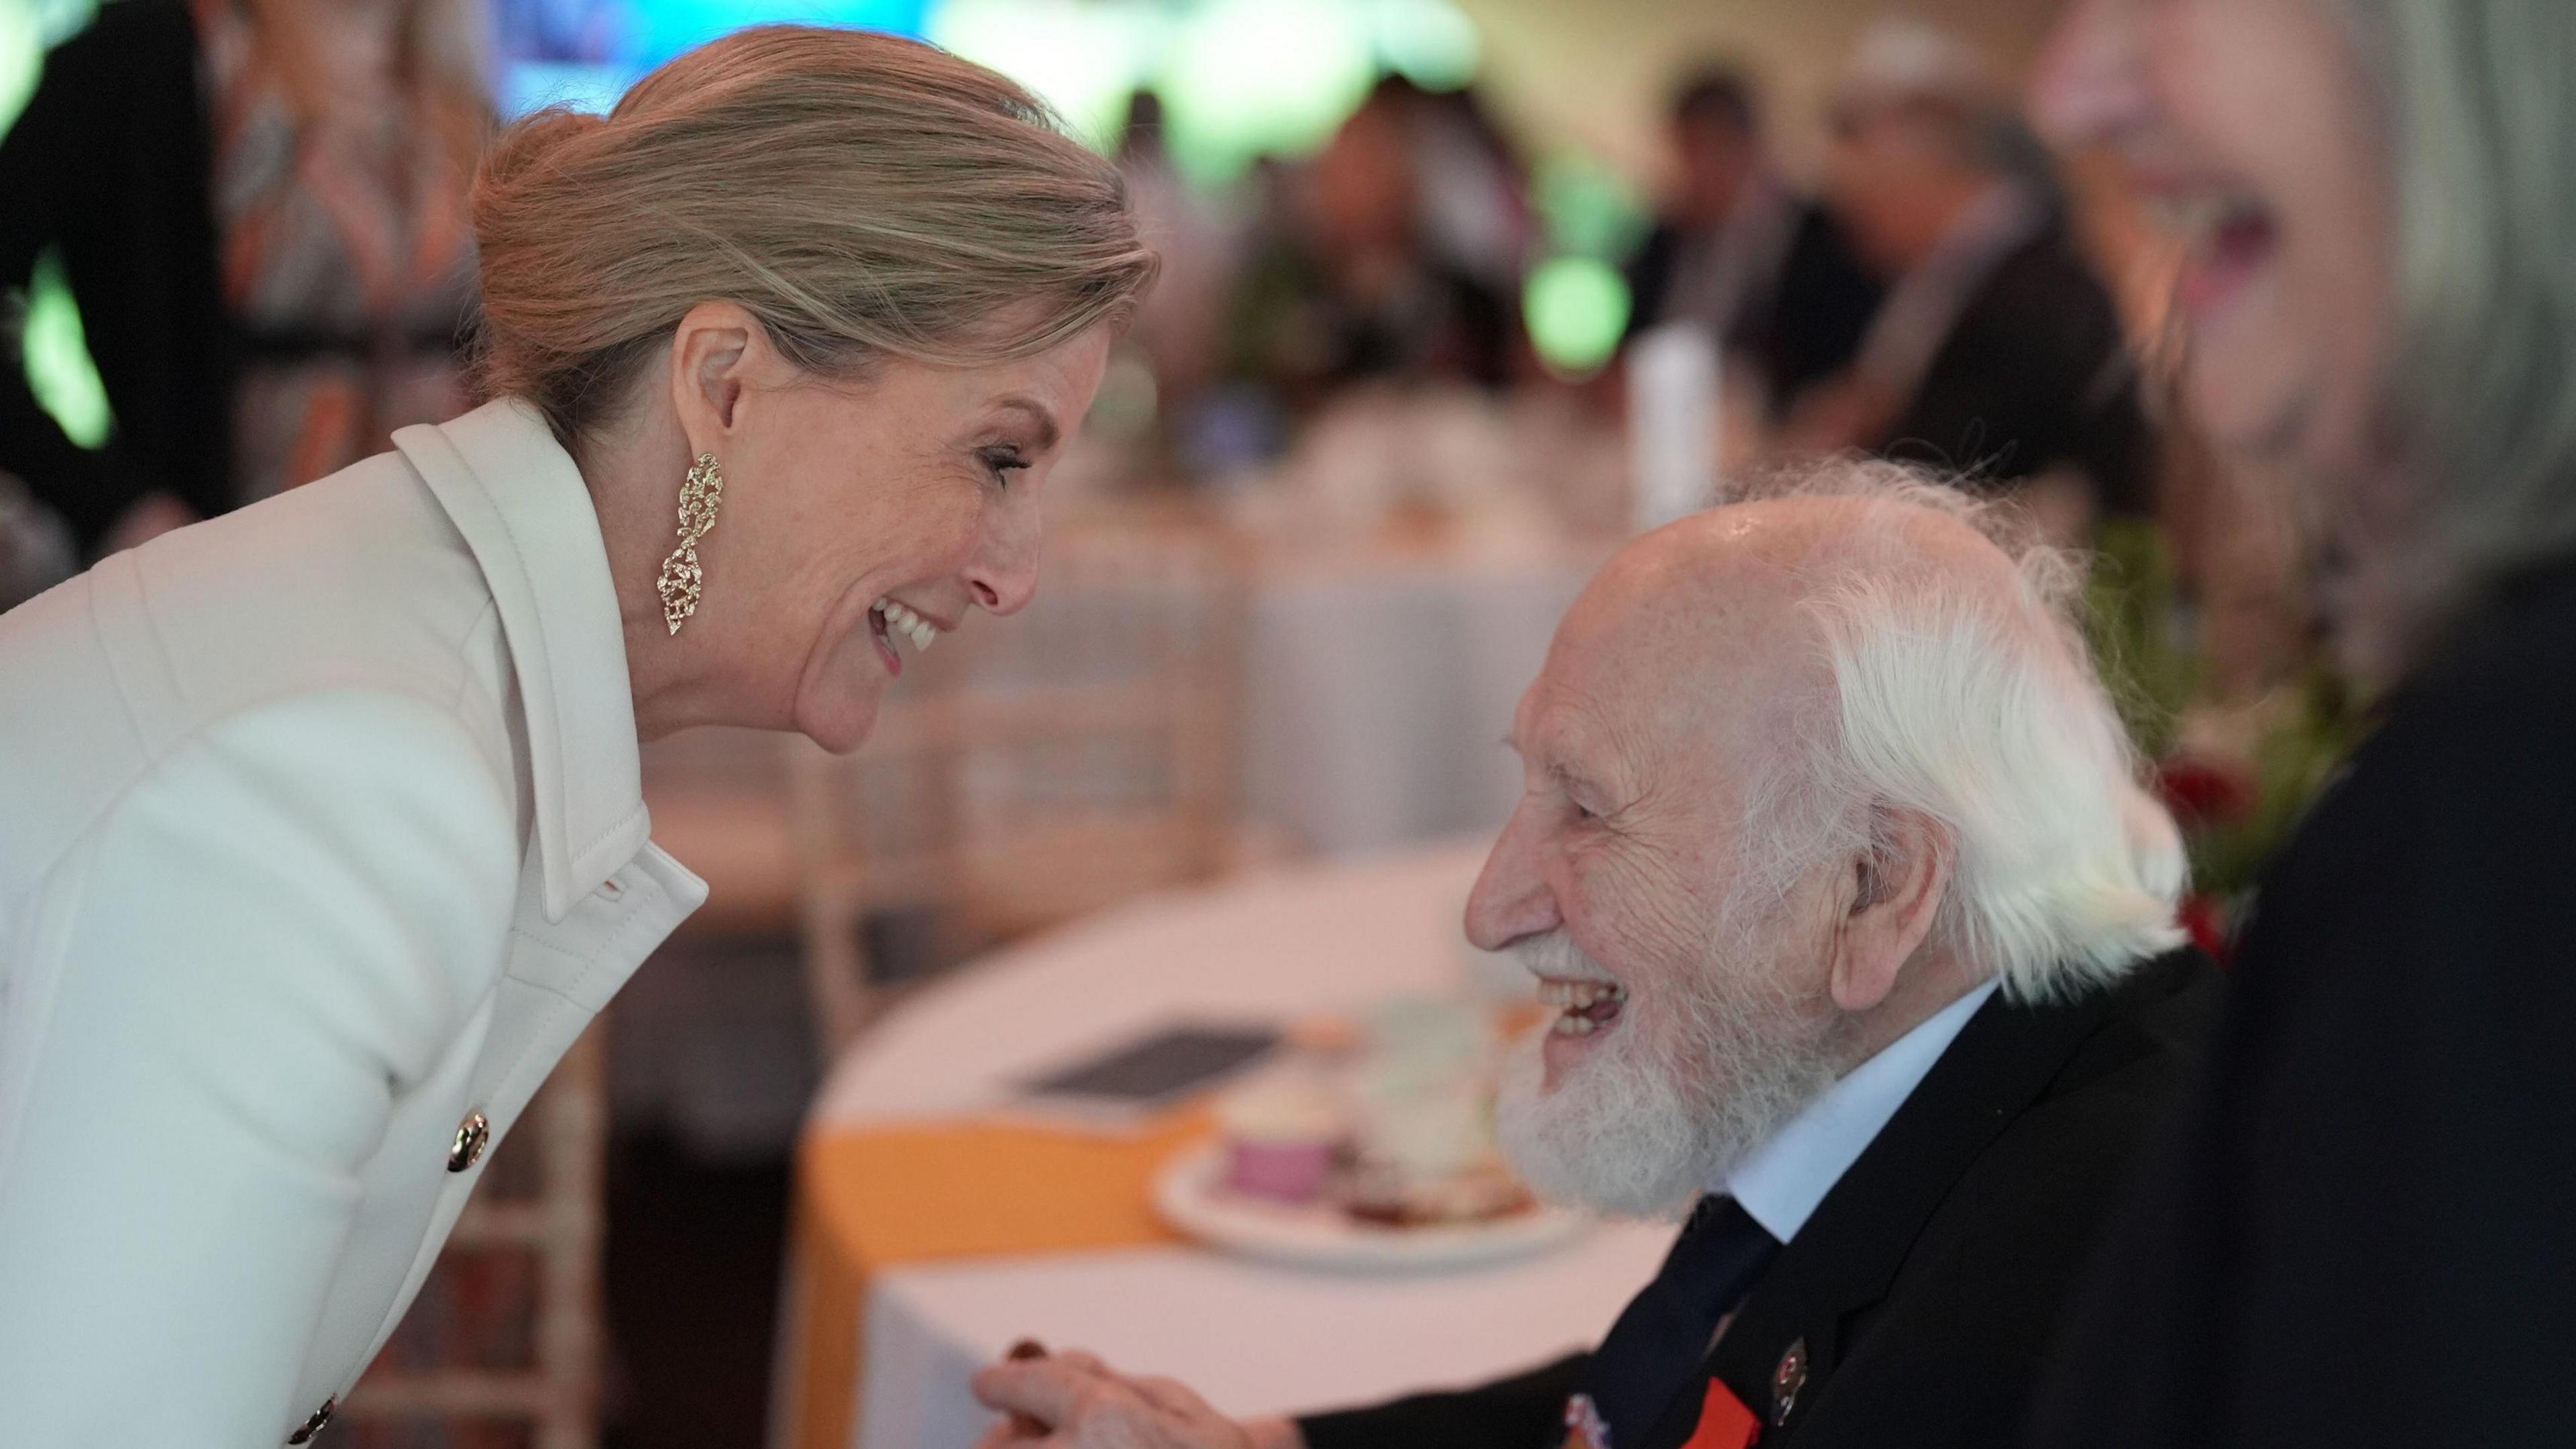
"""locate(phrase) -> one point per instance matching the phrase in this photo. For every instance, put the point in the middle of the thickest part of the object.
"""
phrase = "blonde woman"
(320, 827)
(2364, 1232)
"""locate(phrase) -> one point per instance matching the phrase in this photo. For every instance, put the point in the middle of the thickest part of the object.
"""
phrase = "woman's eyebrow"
(1048, 432)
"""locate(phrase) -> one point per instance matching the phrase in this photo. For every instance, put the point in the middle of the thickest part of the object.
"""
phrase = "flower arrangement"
(2237, 774)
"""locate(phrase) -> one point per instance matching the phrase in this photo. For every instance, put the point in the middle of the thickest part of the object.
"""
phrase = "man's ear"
(1898, 882)
(717, 352)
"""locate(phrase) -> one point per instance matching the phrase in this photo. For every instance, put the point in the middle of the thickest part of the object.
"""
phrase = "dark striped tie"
(1653, 1353)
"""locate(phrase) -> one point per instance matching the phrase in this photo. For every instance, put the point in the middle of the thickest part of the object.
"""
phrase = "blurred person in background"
(1997, 352)
(1737, 251)
(111, 168)
(345, 135)
(1862, 936)
(1180, 328)
(2363, 1229)
(1475, 211)
(325, 835)
(260, 210)
(1352, 283)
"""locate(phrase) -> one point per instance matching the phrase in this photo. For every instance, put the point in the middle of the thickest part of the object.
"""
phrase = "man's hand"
(1087, 1406)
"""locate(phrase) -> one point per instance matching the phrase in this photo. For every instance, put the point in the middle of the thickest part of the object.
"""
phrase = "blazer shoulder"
(357, 580)
(1950, 1353)
(1996, 1261)
(353, 585)
(2448, 816)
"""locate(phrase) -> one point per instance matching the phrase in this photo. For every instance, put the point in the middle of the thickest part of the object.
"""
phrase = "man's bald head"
(1699, 657)
(1713, 612)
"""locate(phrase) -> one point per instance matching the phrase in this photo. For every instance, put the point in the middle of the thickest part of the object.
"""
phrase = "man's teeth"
(1575, 1001)
(907, 623)
(1579, 995)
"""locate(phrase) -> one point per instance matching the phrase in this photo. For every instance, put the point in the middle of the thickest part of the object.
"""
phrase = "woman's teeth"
(1585, 1006)
(2207, 221)
(901, 620)
(2189, 215)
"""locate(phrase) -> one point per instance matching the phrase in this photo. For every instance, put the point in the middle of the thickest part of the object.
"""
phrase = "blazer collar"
(516, 496)
(2004, 1060)
(1782, 1181)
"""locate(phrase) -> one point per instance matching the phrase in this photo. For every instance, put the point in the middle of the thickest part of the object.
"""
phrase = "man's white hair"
(1978, 709)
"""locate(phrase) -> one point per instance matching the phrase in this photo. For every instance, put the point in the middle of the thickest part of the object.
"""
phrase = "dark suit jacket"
(1926, 1286)
(110, 167)
(1802, 327)
(2036, 373)
(2363, 1230)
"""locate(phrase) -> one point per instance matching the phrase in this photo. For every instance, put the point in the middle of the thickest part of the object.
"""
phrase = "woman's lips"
(2230, 253)
(890, 619)
(885, 645)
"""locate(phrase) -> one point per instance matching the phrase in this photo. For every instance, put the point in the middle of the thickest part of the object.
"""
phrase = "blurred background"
(1458, 294)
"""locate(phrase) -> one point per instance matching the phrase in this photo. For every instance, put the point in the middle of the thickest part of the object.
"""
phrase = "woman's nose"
(2090, 83)
(1003, 575)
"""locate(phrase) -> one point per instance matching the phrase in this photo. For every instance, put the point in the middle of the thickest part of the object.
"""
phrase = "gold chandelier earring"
(683, 581)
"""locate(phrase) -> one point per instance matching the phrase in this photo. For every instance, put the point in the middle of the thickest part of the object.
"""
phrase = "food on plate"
(1479, 1194)
(1393, 1131)
(1282, 1136)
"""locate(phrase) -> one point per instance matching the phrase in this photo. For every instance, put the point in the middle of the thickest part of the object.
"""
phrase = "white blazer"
(321, 839)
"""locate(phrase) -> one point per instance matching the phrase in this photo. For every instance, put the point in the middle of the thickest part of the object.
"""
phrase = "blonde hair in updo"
(861, 194)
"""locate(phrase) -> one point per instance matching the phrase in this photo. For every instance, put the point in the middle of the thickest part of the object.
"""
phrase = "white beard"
(1640, 1128)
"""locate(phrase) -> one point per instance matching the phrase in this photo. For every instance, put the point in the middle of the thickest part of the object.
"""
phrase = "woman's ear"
(715, 353)
(1898, 882)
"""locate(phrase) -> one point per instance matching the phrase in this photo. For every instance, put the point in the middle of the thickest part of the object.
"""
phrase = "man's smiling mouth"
(1584, 1006)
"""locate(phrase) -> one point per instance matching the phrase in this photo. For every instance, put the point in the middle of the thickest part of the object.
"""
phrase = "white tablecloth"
(1253, 1339)
(1378, 684)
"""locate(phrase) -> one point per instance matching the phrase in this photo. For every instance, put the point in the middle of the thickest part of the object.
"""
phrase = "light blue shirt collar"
(1782, 1179)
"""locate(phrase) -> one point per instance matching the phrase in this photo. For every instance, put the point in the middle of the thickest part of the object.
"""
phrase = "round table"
(882, 1360)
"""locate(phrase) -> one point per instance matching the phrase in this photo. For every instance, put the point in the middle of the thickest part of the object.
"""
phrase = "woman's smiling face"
(863, 517)
(2249, 128)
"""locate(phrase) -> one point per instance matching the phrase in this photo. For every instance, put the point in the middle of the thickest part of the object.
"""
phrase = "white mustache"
(1555, 955)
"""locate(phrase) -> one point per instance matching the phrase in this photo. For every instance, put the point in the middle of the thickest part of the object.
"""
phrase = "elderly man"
(1863, 937)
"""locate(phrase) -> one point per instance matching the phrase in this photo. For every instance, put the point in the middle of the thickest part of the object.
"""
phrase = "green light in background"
(59, 370)
(1239, 79)
(1590, 210)
(1245, 78)
(1431, 43)
(50, 342)
(28, 28)
(22, 56)
(1576, 307)
(1084, 59)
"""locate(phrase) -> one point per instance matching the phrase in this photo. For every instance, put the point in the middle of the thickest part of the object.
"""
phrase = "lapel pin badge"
(1787, 1380)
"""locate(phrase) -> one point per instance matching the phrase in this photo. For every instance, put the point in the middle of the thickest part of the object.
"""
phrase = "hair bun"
(862, 195)
(529, 144)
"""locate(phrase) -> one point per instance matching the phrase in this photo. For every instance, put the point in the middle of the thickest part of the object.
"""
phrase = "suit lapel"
(1850, 1250)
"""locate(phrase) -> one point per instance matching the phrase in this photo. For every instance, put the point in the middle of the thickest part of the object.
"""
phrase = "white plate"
(1190, 1194)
